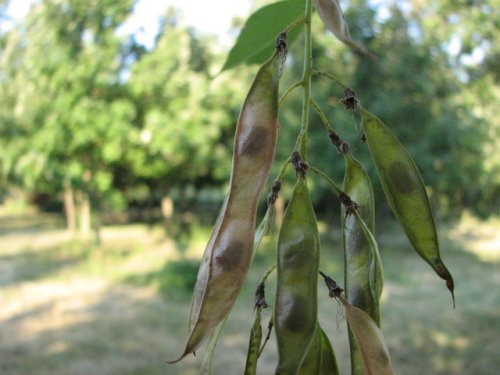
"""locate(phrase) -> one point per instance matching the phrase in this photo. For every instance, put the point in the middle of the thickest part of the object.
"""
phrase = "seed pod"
(376, 360)
(405, 192)
(229, 251)
(328, 361)
(296, 310)
(331, 14)
(312, 360)
(320, 358)
(206, 365)
(254, 345)
(363, 269)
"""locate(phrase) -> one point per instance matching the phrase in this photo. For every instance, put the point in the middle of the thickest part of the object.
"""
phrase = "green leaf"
(257, 38)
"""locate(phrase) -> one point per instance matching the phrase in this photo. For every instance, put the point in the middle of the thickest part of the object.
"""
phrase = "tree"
(71, 119)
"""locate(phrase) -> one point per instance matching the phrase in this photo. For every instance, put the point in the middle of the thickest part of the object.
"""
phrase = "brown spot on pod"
(231, 257)
(400, 177)
(253, 143)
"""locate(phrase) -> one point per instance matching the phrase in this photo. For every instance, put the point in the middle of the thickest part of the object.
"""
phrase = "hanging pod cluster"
(228, 254)
(303, 346)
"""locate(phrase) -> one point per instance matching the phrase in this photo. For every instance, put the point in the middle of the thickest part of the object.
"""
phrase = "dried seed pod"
(229, 251)
(376, 360)
(331, 14)
(296, 305)
(405, 193)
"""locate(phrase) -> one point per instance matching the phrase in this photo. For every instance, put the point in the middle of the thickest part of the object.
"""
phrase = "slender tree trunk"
(97, 227)
(84, 214)
(69, 207)
(167, 208)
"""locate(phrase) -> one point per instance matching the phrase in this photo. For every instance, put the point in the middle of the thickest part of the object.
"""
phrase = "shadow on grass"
(124, 331)
(176, 279)
(31, 265)
(29, 223)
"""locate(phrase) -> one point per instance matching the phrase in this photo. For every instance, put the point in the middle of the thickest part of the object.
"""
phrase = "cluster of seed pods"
(303, 346)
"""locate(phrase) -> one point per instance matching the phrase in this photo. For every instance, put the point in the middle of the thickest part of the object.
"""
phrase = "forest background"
(115, 155)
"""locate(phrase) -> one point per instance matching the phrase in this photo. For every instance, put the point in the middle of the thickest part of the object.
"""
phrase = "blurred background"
(116, 140)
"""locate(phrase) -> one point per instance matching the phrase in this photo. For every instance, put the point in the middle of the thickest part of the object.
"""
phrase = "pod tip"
(181, 357)
(451, 286)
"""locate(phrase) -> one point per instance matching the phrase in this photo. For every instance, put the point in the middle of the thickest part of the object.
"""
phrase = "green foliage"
(80, 105)
(257, 38)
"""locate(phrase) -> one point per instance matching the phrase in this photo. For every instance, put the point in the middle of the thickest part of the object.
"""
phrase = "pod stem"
(294, 24)
(320, 73)
(322, 116)
(288, 91)
(269, 271)
(283, 168)
(306, 80)
(332, 183)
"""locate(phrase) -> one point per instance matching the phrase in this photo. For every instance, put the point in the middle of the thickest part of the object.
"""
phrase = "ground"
(70, 308)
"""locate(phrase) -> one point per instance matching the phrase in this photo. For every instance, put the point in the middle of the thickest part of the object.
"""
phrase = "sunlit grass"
(71, 307)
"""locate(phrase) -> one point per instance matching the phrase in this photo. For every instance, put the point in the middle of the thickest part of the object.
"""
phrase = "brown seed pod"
(229, 251)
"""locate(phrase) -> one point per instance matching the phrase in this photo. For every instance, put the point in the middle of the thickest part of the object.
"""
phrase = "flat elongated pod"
(312, 360)
(254, 345)
(229, 251)
(328, 361)
(296, 310)
(405, 192)
(376, 360)
(363, 269)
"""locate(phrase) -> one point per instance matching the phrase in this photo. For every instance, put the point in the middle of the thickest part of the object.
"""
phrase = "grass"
(121, 308)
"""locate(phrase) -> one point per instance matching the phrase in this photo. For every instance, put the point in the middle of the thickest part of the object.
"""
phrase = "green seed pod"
(312, 360)
(229, 251)
(320, 358)
(328, 360)
(254, 345)
(363, 270)
(405, 192)
(296, 310)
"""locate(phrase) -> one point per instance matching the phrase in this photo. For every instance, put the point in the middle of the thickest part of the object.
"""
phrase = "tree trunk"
(69, 207)
(97, 227)
(167, 208)
(84, 214)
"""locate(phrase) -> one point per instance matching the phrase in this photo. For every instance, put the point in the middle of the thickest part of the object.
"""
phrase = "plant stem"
(283, 169)
(306, 80)
(332, 183)
(269, 271)
(297, 22)
(322, 115)
(329, 76)
(288, 91)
